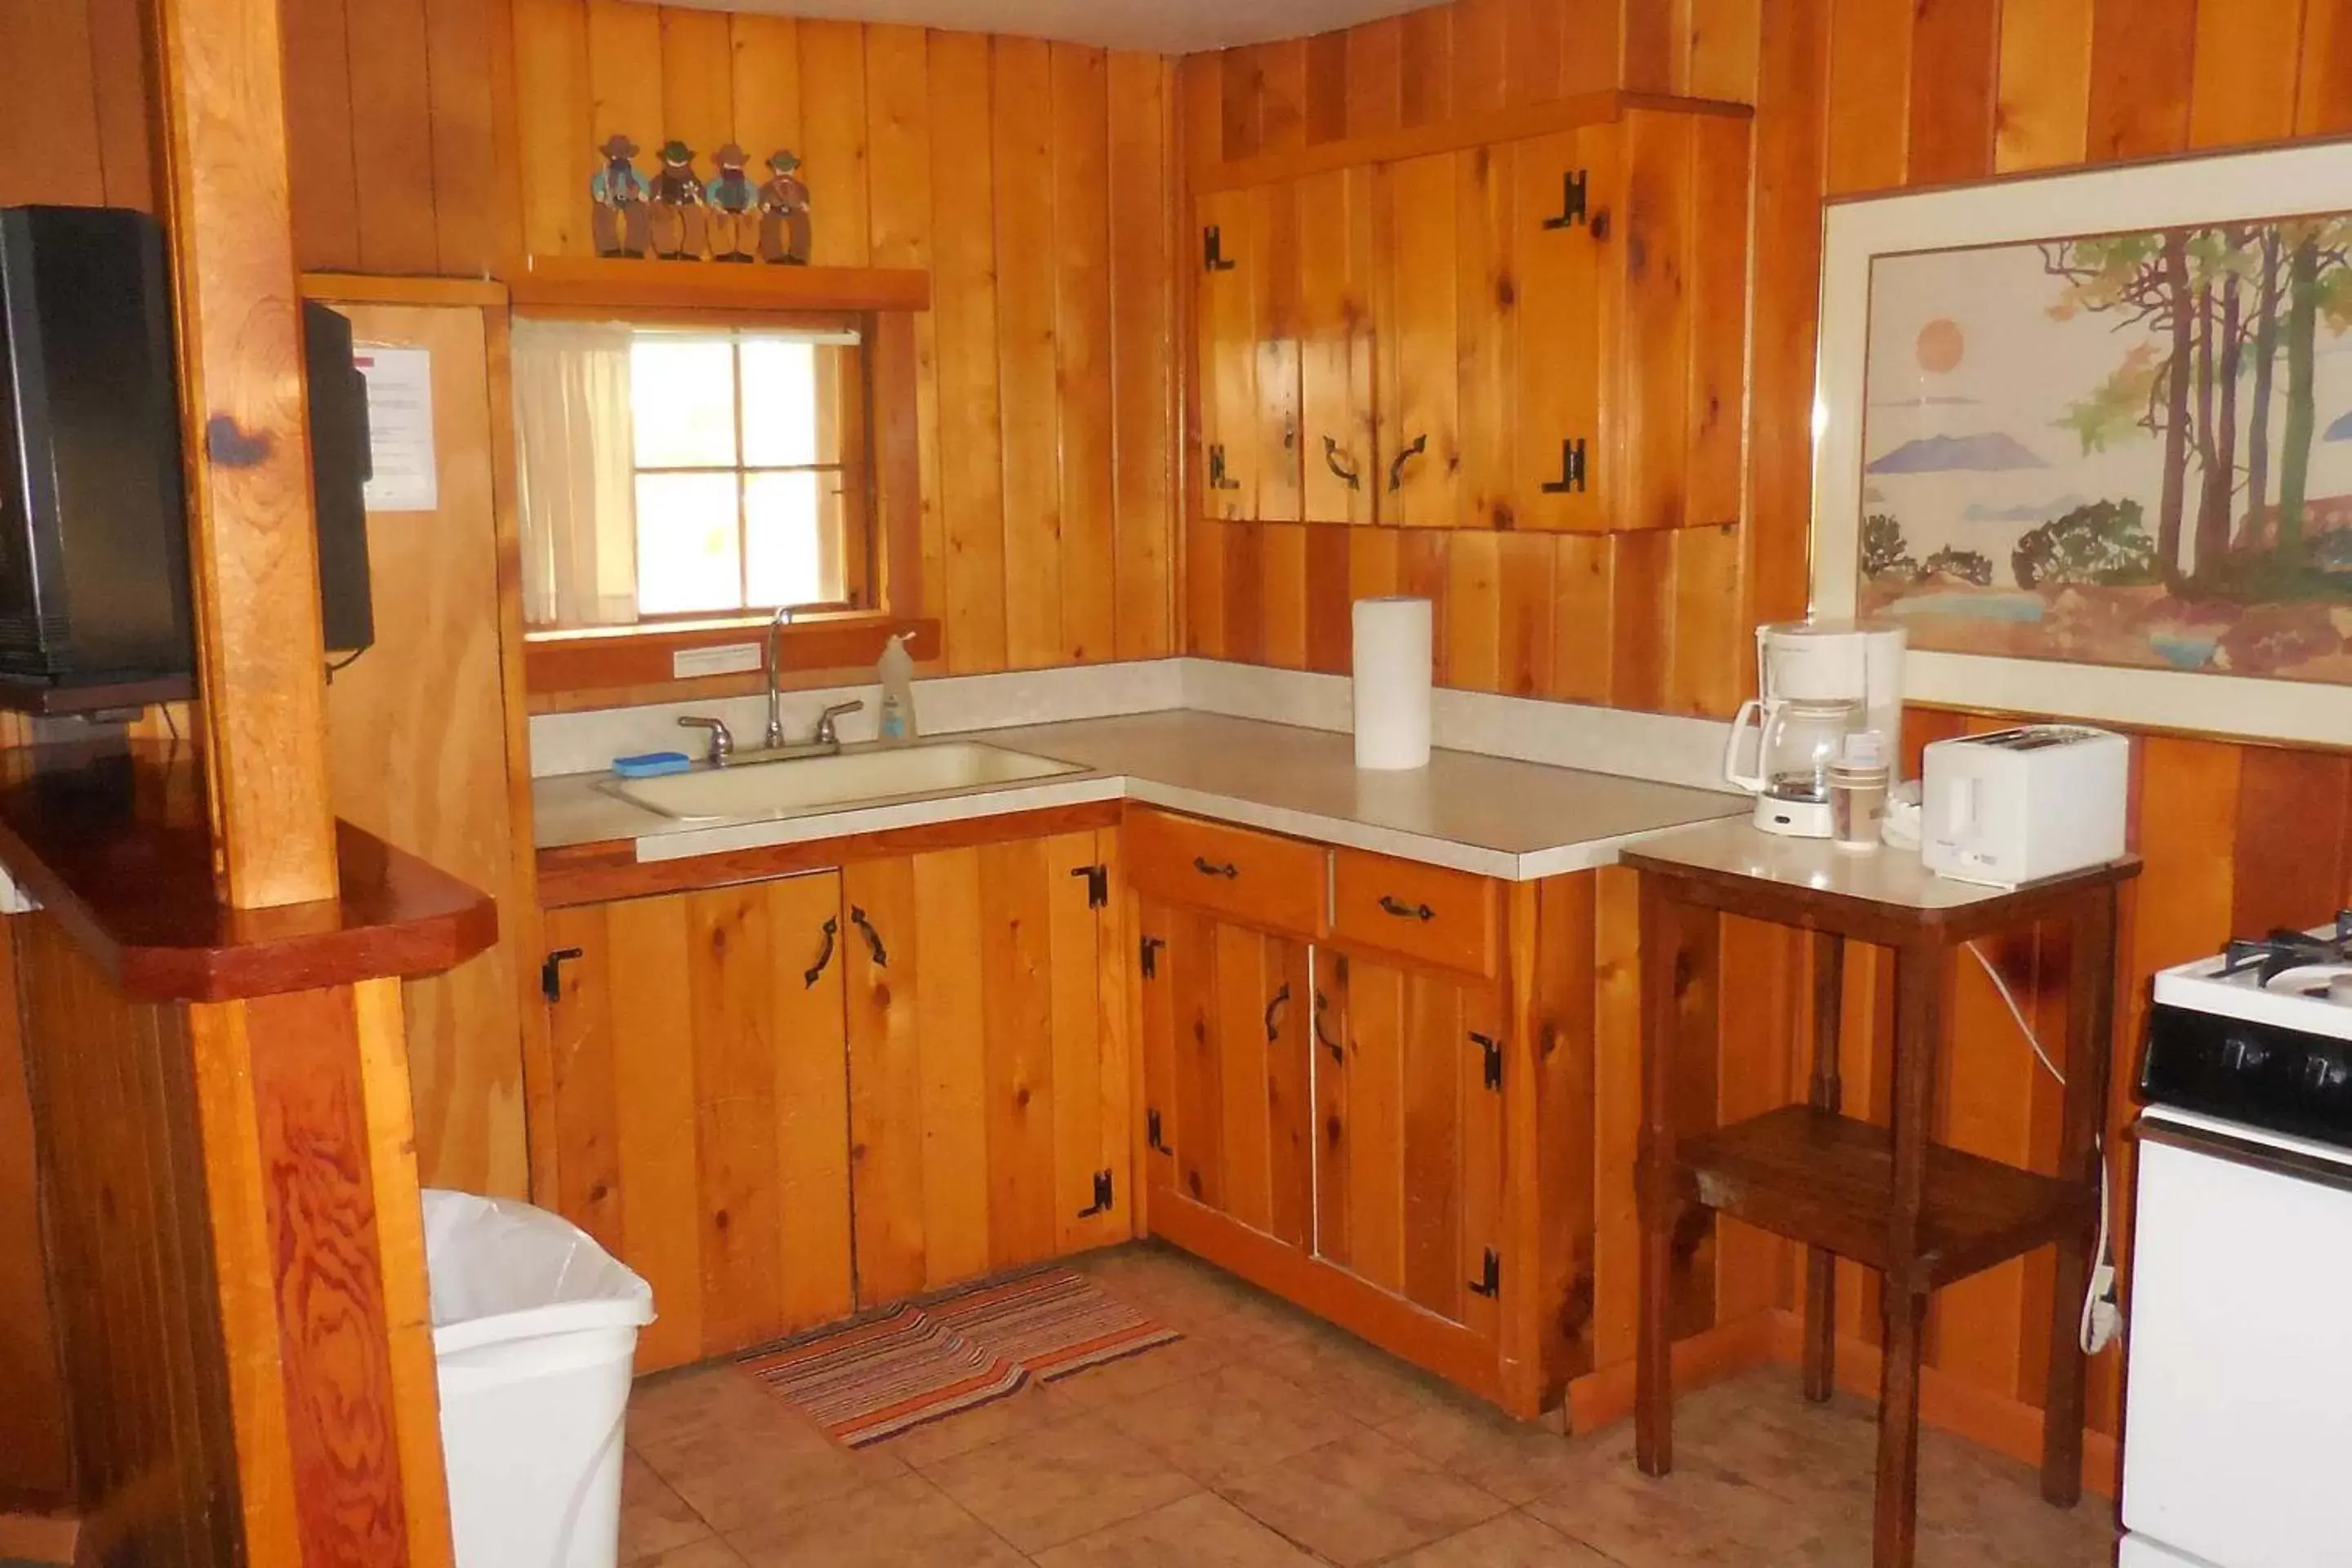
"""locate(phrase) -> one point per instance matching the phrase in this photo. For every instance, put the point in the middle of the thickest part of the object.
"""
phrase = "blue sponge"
(652, 765)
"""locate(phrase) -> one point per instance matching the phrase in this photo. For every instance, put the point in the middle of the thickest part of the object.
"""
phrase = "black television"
(94, 588)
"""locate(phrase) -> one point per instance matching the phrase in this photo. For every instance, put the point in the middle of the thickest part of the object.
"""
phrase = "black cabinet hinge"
(1218, 478)
(1571, 470)
(1493, 1050)
(1489, 1282)
(1098, 885)
(1151, 946)
(1155, 1137)
(1103, 1197)
(550, 973)
(1212, 250)
(1574, 185)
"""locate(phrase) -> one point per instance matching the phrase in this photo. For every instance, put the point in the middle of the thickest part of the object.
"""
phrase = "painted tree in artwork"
(2207, 307)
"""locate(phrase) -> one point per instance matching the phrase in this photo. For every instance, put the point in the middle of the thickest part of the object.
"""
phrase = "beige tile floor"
(1265, 1439)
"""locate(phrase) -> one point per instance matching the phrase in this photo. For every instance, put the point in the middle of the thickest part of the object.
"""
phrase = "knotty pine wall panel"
(1032, 179)
(1852, 97)
(1860, 96)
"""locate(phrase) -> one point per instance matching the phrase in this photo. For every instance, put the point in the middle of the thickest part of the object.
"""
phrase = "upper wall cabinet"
(1542, 333)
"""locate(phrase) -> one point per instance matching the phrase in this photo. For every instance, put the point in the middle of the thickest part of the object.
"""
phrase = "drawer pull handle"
(1273, 1013)
(1404, 911)
(872, 938)
(824, 955)
(1229, 871)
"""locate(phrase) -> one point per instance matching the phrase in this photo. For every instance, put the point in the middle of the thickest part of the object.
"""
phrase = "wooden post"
(253, 552)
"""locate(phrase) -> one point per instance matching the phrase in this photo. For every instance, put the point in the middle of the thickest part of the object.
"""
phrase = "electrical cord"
(2102, 1319)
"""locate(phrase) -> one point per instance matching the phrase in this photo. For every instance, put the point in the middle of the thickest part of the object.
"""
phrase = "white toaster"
(2014, 807)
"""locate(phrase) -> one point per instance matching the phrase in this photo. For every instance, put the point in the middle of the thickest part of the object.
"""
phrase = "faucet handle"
(722, 740)
(827, 732)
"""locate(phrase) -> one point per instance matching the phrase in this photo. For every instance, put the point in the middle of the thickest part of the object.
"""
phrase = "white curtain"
(575, 439)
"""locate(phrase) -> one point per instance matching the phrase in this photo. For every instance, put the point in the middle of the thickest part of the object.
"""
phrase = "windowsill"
(627, 665)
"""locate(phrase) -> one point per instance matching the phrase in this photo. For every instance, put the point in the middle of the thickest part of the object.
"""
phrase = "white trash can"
(534, 1328)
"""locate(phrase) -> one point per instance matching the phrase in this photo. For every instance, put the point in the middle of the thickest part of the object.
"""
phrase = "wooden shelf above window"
(638, 659)
(574, 283)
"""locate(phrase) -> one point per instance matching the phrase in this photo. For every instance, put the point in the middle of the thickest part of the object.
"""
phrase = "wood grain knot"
(229, 446)
(1599, 221)
(1332, 1130)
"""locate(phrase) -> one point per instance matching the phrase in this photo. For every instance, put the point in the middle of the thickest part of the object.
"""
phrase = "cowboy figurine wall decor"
(785, 234)
(618, 220)
(678, 214)
(732, 196)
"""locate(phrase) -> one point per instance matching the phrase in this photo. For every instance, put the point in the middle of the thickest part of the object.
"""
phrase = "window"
(675, 474)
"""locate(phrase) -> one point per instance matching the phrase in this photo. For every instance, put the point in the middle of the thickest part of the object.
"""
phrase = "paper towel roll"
(1395, 664)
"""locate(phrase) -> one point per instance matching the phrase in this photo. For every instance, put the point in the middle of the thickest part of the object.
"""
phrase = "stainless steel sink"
(768, 790)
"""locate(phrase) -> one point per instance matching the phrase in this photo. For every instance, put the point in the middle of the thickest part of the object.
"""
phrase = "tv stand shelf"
(19, 694)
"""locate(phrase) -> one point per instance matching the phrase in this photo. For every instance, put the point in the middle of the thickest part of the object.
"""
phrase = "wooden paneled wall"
(130, 1260)
(74, 96)
(1860, 96)
(1032, 181)
(391, 108)
(1852, 97)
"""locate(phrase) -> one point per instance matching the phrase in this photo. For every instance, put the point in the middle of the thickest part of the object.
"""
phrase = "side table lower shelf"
(1827, 1181)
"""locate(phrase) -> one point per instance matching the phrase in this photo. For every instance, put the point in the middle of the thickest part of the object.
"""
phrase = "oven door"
(2239, 1413)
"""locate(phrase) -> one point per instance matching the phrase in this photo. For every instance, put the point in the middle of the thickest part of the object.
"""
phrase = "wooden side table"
(1892, 1199)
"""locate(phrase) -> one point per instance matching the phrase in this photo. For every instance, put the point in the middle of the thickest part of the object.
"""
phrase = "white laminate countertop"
(1497, 818)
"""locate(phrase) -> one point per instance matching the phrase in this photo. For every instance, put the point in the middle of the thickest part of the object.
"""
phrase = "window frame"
(845, 403)
(574, 667)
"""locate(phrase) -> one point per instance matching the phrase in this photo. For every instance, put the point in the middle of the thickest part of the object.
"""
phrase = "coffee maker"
(1822, 682)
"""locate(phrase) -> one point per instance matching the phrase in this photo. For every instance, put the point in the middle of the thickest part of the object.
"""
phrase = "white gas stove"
(2239, 1409)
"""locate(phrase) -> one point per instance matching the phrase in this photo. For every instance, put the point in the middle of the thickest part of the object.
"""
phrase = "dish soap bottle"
(896, 670)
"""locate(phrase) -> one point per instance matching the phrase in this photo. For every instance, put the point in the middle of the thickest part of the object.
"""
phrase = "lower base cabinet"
(1347, 1109)
(786, 1101)
(988, 1109)
(701, 1106)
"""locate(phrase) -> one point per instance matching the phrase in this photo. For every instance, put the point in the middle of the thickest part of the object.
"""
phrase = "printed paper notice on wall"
(400, 428)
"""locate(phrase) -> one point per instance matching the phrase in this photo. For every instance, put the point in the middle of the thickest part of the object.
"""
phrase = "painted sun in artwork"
(1942, 346)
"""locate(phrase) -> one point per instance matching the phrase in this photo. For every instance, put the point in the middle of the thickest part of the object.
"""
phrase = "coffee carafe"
(1821, 681)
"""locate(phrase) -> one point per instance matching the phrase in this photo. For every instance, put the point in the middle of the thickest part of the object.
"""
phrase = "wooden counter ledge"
(116, 844)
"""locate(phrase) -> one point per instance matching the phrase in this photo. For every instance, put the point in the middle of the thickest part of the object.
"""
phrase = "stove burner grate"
(2282, 950)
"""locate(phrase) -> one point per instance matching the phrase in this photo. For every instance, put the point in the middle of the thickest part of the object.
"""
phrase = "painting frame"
(2288, 181)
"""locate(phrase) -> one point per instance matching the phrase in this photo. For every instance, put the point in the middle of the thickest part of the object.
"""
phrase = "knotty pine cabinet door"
(1227, 1033)
(989, 1108)
(1337, 348)
(700, 1106)
(1408, 1114)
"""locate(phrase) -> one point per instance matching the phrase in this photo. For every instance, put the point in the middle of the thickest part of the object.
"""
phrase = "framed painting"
(2088, 436)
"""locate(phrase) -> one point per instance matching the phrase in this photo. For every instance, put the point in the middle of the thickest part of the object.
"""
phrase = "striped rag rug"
(927, 1360)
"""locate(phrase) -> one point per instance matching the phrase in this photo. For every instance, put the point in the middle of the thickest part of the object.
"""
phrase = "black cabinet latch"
(1151, 946)
(1098, 885)
(1212, 250)
(1572, 201)
(1493, 1050)
(1489, 1282)
(550, 973)
(1103, 1198)
(1571, 470)
(1154, 1136)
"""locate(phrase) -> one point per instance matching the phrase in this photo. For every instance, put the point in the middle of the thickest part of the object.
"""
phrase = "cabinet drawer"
(1276, 884)
(1440, 917)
